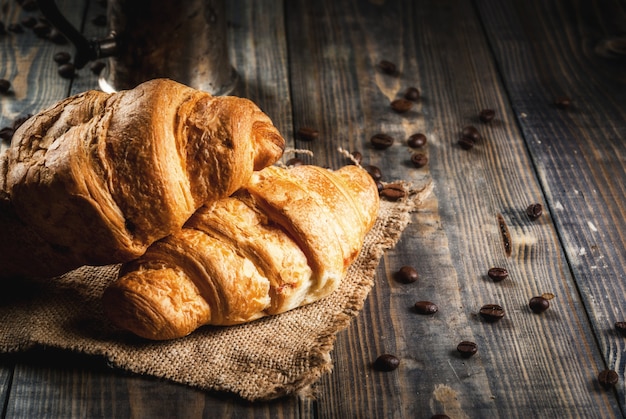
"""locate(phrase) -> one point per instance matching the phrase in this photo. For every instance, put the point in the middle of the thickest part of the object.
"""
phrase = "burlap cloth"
(262, 360)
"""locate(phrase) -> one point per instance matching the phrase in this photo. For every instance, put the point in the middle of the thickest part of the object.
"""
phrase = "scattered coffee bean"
(467, 348)
(62, 57)
(466, 143)
(562, 102)
(381, 141)
(357, 156)
(486, 115)
(608, 378)
(534, 211)
(5, 85)
(386, 362)
(388, 67)
(308, 134)
(401, 105)
(379, 186)
(15, 28)
(426, 307)
(294, 162)
(42, 30)
(491, 312)
(6, 133)
(392, 192)
(67, 70)
(100, 20)
(412, 93)
(621, 327)
(419, 159)
(57, 37)
(538, 304)
(417, 140)
(407, 275)
(374, 172)
(471, 132)
(29, 22)
(498, 274)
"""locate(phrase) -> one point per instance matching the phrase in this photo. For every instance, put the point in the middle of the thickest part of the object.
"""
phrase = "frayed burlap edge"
(270, 358)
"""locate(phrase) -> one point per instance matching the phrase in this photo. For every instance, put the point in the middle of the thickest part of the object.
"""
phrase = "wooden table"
(316, 64)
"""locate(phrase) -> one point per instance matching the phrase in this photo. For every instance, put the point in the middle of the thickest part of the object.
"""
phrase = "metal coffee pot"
(185, 41)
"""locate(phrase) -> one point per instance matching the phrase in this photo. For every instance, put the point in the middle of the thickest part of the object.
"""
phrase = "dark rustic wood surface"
(315, 64)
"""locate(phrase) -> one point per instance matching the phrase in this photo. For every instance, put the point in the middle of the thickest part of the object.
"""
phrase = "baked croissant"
(284, 240)
(99, 177)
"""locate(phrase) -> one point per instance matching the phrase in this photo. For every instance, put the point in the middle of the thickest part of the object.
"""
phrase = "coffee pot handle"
(85, 50)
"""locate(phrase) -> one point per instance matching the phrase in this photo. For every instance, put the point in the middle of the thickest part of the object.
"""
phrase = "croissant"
(99, 177)
(284, 240)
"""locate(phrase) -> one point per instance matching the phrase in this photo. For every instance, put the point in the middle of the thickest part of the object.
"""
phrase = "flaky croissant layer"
(284, 240)
(98, 177)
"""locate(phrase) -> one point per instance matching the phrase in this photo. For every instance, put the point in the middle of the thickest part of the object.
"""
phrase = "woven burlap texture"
(262, 360)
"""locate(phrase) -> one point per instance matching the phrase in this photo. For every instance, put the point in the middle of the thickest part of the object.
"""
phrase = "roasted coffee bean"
(62, 57)
(386, 362)
(100, 20)
(466, 143)
(388, 67)
(308, 134)
(6, 133)
(67, 70)
(57, 37)
(381, 141)
(357, 156)
(41, 29)
(29, 22)
(534, 211)
(294, 162)
(407, 275)
(471, 132)
(608, 378)
(379, 186)
(486, 115)
(419, 160)
(392, 192)
(401, 105)
(416, 140)
(467, 348)
(374, 172)
(491, 312)
(621, 327)
(412, 93)
(498, 274)
(538, 304)
(96, 67)
(562, 102)
(5, 85)
(425, 307)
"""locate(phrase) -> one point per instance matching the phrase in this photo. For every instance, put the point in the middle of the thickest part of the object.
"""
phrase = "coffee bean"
(100, 20)
(562, 102)
(388, 67)
(466, 143)
(417, 140)
(357, 156)
(608, 378)
(621, 327)
(96, 67)
(29, 22)
(486, 115)
(498, 274)
(534, 211)
(374, 172)
(62, 57)
(419, 160)
(392, 192)
(57, 37)
(407, 275)
(67, 70)
(379, 186)
(5, 85)
(308, 134)
(426, 307)
(15, 28)
(386, 362)
(401, 105)
(538, 304)
(6, 133)
(467, 348)
(41, 29)
(294, 162)
(412, 93)
(381, 141)
(491, 312)
(471, 132)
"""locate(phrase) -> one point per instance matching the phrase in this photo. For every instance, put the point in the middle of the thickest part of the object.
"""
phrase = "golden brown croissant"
(99, 177)
(284, 240)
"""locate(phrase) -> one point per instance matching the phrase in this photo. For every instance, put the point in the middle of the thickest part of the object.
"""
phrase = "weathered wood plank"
(526, 363)
(575, 49)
